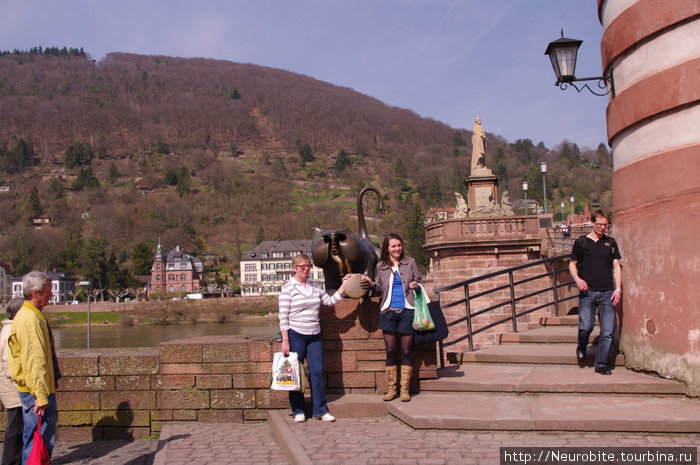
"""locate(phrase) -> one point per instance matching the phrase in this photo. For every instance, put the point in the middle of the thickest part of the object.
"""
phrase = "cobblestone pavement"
(121, 452)
(376, 441)
(348, 441)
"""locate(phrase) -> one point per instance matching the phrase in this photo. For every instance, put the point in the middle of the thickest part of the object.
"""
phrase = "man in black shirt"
(595, 267)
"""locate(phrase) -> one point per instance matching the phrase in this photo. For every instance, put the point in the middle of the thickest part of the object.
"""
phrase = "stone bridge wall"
(126, 393)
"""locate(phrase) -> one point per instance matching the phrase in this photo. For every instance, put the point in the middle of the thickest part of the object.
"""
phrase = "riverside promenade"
(348, 441)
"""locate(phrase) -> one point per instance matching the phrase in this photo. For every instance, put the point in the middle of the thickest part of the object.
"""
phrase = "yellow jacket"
(31, 362)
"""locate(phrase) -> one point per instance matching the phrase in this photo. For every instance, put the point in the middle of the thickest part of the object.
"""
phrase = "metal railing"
(512, 302)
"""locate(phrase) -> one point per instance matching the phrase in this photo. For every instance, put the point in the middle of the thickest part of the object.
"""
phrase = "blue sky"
(449, 60)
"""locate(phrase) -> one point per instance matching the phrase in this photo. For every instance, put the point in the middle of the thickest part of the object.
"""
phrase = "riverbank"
(217, 310)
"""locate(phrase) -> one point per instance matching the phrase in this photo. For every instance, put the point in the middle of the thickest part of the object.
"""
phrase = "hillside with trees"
(216, 156)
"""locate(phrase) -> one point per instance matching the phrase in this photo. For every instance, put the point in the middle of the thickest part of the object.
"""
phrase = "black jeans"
(12, 448)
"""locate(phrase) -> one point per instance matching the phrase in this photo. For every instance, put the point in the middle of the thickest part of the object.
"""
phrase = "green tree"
(414, 233)
(171, 177)
(162, 147)
(112, 173)
(458, 140)
(235, 95)
(85, 179)
(78, 154)
(183, 182)
(342, 161)
(306, 154)
(34, 204)
(17, 159)
(141, 259)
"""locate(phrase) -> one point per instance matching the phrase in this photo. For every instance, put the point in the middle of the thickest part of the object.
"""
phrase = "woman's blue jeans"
(48, 424)
(587, 303)
(309, 348)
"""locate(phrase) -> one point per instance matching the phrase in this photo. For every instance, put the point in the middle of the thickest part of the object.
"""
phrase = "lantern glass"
(562, 53)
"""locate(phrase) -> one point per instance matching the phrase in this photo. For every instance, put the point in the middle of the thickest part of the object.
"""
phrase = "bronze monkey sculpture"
(339, 252)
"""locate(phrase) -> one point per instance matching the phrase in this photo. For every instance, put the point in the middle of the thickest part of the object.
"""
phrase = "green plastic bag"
(421, 315)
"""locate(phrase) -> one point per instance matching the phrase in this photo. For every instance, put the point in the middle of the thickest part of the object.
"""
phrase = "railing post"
(469, 317)
(512, 301)
(554, 287)
(441, 348)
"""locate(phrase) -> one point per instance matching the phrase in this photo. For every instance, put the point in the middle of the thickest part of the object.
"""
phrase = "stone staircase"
(532, 382)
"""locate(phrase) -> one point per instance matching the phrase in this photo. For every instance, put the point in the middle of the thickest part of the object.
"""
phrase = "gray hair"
(34, 281)
(14, 306)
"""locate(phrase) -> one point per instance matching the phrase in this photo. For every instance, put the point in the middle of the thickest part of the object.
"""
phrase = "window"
(251, 278)
(265, 255)
(171, 289)
(158, 266)
(250, 267)
(183, 266)
(183, 288)
(183, 277)
(171, 277)
(158, 278)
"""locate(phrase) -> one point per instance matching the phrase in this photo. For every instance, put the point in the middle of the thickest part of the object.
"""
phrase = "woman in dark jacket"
(396, 278)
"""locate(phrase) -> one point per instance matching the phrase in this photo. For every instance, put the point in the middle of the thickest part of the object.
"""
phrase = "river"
(103, 336)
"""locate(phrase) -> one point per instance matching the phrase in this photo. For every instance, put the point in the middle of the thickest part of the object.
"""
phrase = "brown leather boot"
(390, 383)
(406, 371)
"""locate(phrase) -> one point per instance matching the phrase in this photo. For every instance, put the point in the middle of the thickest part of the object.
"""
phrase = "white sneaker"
(327, 417)
(300, 418)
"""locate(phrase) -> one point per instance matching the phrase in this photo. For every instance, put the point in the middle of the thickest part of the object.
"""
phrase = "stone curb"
(161, 451)
(285, 439)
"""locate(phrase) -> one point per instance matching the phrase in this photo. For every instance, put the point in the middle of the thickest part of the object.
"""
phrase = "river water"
(103, 336)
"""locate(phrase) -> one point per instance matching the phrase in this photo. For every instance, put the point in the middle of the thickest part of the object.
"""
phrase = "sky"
(449, 60)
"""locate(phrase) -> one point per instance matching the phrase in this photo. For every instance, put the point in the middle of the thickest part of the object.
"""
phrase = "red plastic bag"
(39, 455)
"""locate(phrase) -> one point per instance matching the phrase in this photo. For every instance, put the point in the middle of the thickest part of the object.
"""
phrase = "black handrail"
(512, 301)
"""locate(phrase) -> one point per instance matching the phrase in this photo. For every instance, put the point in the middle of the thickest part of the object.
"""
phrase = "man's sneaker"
(603, 371)
(327, 417)
(580, 356)
(300, 417)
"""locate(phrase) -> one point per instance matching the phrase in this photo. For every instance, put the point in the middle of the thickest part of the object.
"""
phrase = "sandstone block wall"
(126, 393)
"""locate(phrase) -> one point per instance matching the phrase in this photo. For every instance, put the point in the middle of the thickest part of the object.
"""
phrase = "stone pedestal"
(482, 191)
(354, 355)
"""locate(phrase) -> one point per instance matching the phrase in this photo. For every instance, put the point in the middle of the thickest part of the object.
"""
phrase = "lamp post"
(572, 208)
(562, 53)
(543, 168)
(562, 212)
(525, 192)
(87, 284)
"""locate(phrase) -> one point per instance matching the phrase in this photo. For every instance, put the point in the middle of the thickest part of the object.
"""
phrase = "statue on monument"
(479, 149)
(462, 207)
(506, 206)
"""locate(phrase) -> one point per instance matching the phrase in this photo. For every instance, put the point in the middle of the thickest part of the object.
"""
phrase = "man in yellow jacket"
(32, 362)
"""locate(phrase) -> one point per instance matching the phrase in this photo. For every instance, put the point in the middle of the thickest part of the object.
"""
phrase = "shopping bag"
(39, 455)
(285, 374)
(421, 315)
(433, 335)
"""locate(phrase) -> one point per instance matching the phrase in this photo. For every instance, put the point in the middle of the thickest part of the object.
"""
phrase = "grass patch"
(77, 318)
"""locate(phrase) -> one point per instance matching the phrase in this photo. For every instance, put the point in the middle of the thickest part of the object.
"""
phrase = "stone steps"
(533, 382)
(531, 353)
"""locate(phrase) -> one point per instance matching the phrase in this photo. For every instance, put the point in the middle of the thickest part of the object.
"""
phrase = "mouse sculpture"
(340, 251)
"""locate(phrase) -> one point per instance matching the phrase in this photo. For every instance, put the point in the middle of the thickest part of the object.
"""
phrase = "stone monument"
(482, 184)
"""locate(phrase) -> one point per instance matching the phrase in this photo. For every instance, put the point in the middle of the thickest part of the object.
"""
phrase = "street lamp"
(525, 192)
(562, 53)
(572, 208)
(562, 211)
(543, 168)
(87, 284)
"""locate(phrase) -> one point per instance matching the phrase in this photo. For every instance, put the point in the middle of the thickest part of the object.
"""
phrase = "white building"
(62, 287)
(266, 268)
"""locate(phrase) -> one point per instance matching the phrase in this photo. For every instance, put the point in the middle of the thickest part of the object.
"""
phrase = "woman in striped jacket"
(299, 304)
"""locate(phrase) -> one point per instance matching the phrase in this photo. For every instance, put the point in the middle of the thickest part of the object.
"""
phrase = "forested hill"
(215, 155)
